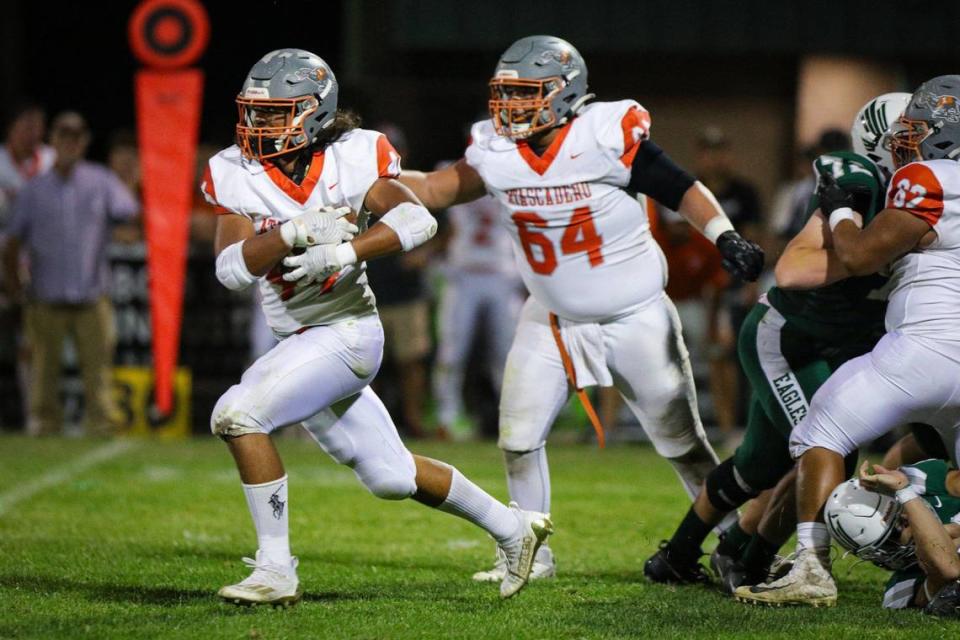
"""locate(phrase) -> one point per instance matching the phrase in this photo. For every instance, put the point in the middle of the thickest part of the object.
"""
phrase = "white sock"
(268, 507)
(528, 479)
(813, 535)
(472, 503)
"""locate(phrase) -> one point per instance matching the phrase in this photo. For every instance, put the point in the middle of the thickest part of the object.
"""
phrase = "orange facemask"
(905, 140)
(521, 108)
(271, 127)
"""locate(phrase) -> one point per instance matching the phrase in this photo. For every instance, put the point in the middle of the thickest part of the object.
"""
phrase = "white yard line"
(59, 475)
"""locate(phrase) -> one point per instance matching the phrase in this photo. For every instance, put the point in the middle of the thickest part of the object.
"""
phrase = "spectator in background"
(398, 283)
(22, 156)
(791, 214)
(792, 197)
(123, 158)
(61, 220)
(714, 167)
(696, 284)
(483, 292)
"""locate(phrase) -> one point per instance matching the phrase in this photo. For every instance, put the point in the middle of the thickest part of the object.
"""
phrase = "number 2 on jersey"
(579, 236)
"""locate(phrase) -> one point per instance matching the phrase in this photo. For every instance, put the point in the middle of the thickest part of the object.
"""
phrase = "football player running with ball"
(790, 343)
(913, 374)
(566, 173)
(285, 191)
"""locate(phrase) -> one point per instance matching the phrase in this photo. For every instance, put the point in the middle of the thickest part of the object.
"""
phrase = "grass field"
(132, 541)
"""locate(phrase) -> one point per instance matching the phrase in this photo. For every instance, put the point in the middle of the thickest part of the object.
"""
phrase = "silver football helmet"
(929, 128)
(288, 98)
(870, 130)
(868, 525)
(539, 83)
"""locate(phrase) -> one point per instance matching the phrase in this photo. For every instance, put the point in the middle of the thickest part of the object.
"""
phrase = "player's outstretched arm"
(653, 173)
(891, 234)
(808, 261)
(454, 184)
(741, 257)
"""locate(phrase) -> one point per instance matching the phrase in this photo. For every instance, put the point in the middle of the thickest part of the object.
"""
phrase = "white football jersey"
(587, 252)
(338, 176)
(925, 294)
(479, 243)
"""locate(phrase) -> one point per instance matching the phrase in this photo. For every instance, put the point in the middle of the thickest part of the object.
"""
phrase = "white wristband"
(906, 494)
(844, 213)
(346, 254)
(717, 226)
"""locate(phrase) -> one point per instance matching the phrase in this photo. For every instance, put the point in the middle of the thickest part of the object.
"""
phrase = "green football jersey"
(849, 312)
(930, 478)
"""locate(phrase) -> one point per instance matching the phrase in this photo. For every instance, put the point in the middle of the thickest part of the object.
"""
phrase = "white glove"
(320, 261)
(325, 226)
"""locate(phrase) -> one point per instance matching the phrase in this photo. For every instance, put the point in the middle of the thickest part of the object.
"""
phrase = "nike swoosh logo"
(333, 185)
(574, 156)
(759, 588)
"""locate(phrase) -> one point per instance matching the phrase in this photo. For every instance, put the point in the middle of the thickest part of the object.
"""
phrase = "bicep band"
(412, 223)
(232, 271)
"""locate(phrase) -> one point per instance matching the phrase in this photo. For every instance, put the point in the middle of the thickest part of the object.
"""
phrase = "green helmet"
(287, 99)
(540, 82)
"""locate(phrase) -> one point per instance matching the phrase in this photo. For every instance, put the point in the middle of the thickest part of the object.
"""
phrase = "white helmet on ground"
(869, 132)
(868, 524)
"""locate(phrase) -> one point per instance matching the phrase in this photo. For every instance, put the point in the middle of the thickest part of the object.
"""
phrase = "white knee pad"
(365, 440)
(232, 416)
(388, 479)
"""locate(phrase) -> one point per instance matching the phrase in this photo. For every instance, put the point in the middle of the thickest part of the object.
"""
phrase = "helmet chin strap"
(576, 106)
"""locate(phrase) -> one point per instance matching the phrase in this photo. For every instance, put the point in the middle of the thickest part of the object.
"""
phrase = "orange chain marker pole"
(167, 36)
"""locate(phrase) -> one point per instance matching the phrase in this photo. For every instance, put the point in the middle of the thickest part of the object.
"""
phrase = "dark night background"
(424, 64)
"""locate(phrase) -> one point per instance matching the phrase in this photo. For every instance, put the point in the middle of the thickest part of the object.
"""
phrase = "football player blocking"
(566, 173)
(790, 344)
(287, 193)
(912, 375)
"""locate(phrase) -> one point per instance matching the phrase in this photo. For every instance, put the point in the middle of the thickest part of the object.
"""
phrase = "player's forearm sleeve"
(412, 223)
(232, 271)
(653, 173)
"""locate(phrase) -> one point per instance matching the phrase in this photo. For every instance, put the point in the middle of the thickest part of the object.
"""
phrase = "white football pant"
(471, 300)
(904, 379)
(320, 377)
(650, 367)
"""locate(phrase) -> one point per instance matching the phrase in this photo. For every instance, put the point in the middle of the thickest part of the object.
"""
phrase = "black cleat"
(946, 604)
(666, 567)
(727, 570)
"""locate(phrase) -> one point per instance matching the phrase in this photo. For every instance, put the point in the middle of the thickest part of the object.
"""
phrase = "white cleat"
(268, 584)
(544, 566)
(521, 551)
(808, 582)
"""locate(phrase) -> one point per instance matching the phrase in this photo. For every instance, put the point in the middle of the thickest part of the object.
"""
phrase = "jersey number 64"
(579, 236)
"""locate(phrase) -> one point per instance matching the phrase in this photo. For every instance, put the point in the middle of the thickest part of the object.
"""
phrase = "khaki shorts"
(407, 330)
